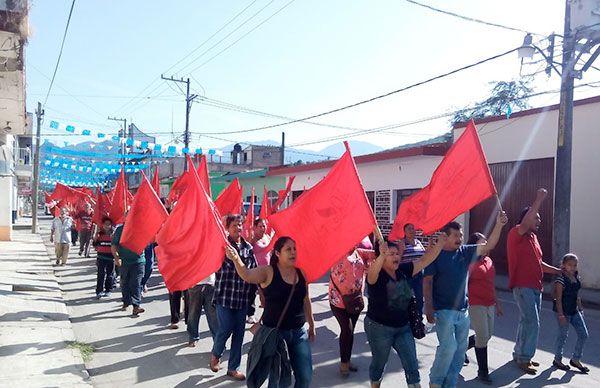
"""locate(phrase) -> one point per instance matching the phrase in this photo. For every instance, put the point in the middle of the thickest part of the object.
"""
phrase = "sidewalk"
(34, 323)
(589, 297)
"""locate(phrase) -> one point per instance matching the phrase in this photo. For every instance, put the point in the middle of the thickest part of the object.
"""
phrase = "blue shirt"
(450, 271)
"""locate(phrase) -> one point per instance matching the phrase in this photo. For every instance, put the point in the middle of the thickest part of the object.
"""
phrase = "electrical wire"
(471, 19)
(62, 45)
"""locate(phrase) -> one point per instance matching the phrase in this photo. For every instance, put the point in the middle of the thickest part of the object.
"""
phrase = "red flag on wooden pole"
(265, 207)
(230, 199)
(178, 187)
(282, 195)
(121, 199)
(461, 181)
(191, 243)
(145, 217)
(328, 220)
(249, 222)
(156, 181)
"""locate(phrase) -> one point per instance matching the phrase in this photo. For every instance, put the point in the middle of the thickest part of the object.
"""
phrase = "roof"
(261, 173)
(436, 149)
(528, 112)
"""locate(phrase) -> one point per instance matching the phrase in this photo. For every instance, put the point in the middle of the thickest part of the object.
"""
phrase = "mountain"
(357, 148)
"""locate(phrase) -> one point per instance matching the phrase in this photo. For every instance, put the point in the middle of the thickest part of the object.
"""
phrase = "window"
(371, 198)
(267, 155)
(272, 195)
(400, 195)
(296, 194)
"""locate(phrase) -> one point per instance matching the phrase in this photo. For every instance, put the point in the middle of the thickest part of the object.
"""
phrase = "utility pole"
(562, 186)
(39, 113)
(282, 148)
(188, 107)
(122, 133)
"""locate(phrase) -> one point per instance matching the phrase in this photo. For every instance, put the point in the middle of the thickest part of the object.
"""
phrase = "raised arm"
(530, 216)
(431, 254)
(547, 268)
(257, 275)
(501, 220)
(376, 266)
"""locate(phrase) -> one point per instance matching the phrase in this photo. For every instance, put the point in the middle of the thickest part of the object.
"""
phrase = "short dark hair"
(569, 257)
(231, 218)
(407, 225)
(451, 225)
(258, 220)
(278, 247)
(390, 244)
(104, 219)
(475, 237)
(523, 214)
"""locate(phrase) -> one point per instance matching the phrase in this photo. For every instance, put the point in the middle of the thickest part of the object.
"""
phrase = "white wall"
(535, 137)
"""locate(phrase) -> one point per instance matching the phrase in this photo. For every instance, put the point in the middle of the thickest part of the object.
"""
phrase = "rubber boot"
(482, 362)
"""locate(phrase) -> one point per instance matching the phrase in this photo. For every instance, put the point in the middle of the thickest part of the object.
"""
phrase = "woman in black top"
(276, 281)
(386, 323)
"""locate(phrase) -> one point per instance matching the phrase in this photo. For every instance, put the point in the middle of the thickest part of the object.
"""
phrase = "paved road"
(145, 352)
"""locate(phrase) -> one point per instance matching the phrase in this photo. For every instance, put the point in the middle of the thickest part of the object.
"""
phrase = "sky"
(288, 58)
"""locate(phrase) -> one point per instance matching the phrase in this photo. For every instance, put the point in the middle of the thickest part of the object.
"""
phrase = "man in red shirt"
(526, 270)
(84, 222)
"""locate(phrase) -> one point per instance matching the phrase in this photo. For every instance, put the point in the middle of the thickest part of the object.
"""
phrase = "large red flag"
(230, 199)
(178, 187)
(145, 217)
(102, 209)
(203, 175)
(461, 181)
(121, 200)
(73, 198)
(249, 222)
(156, 181)
(191, 243)
(282, 195)
(328, 220)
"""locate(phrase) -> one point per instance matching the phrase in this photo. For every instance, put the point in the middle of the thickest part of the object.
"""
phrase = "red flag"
(230, 199)
(203, 175)
(156, 181)
(145, 217)
(328, 220)
(282, 195)
(178, 187)
(47, 198)
(73, 198)
(249, 222)
(265, 207)
(121, 200)
(191, 243)
(461, 181)
(102, 209)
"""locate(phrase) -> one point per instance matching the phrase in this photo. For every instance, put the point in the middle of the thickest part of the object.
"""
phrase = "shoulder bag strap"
(289, 299)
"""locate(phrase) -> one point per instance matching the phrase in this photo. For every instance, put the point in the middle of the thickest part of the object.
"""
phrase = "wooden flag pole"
(498, 202)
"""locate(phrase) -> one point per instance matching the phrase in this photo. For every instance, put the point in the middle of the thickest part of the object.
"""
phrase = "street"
(145, 352)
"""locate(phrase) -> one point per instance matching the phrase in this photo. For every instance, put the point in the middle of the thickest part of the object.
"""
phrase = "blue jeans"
(452, 328)
(382, 339)
(416, 283)
(199, 297)
(529, 302)
(131, 283)
(149, 253)
(300, 355)
(582, 334)
(232, 323)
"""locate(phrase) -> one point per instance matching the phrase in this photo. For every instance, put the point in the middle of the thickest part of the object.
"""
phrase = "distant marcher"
(59, 235)
(525, 272)
(105, 260)
(445, 290)
(569, 310)
(84, 229)
(232, 295)
(131, 271)
(347, 278)
(149, 256)
(201, 297)
(387, 323)
(175, 307)
(287, 310)
(413, 250)
(483, 307)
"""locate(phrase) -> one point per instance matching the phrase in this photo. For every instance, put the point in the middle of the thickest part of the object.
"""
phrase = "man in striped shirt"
(412, 250)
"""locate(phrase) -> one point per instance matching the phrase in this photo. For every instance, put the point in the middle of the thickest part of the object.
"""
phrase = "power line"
(62, 45)
(470, 19)
(370, 99)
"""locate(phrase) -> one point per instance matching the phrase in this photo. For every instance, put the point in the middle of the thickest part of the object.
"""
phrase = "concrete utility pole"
(282, 148)
(188, 107)
(39, 113)
(122, 133)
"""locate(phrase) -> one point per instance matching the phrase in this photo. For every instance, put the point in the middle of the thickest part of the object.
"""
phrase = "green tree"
(504, 94)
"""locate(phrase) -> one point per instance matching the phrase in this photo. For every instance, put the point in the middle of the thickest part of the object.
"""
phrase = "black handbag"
(354, 302)
(415, 319)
